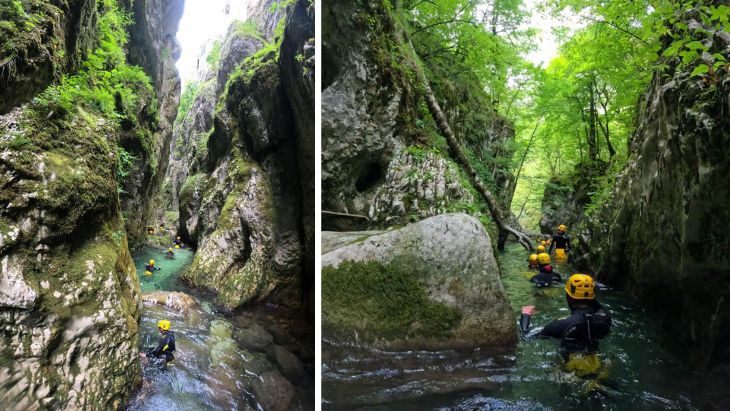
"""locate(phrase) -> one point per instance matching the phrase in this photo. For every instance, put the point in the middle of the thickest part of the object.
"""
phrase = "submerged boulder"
(172, 299)
(440, 276)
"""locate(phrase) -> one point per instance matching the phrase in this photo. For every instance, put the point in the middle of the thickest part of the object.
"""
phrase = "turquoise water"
(212, 370)
(643, 368)
(167, 278)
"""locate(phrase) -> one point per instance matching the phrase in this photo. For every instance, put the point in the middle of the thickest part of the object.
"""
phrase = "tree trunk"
(461, 158)
(592, 140)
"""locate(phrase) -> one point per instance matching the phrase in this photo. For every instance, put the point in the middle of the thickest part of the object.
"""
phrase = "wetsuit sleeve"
(161, 347)
(552, 245)
(554, 329)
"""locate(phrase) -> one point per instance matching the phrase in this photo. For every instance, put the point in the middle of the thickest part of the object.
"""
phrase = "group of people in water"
(163, 354)
(588, 322)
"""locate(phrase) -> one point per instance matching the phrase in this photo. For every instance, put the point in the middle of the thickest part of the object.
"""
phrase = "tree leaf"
(700, 70)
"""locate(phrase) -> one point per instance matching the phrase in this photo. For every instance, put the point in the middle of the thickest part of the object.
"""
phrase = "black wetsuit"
(151, 268)
(587, 324)
(166, 347)
(545, 278)
(560, 241)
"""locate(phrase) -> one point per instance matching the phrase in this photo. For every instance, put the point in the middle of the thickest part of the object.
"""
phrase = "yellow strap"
(164, 348)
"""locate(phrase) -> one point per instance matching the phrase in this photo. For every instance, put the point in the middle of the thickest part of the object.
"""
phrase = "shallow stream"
(225, 360)
(642, 367)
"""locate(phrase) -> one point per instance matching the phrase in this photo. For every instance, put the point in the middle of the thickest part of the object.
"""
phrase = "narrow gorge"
(102, 166)
(607, 117)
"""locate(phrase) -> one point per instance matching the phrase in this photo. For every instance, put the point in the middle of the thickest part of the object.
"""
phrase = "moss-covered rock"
(242, 206)
(41, 40)
(430, 285)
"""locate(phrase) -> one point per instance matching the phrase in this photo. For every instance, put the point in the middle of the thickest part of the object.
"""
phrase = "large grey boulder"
(453, 258)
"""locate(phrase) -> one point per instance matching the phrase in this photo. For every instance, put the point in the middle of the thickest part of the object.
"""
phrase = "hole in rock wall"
(370, 175)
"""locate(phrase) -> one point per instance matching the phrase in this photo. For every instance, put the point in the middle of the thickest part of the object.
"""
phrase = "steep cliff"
(247, 199)
(152, 46)
(662, 234)
(382, 156)
(565, 197)
(70, 303)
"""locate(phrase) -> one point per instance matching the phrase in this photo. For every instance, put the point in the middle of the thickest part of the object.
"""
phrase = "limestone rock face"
(565, 198)
(247, 200)
(417, 185)
(381, 157)
(189, 150)
(69, 294)
(663, 234)
(452, 254)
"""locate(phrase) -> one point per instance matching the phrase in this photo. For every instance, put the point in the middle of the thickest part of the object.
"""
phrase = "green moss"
(215, 55)
(382, 301)
(190, 185)
(247, 29)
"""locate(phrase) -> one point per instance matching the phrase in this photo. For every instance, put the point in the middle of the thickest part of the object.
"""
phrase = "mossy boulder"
(430, 285)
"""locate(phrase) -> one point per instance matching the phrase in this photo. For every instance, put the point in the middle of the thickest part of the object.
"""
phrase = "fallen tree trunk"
(461, 158)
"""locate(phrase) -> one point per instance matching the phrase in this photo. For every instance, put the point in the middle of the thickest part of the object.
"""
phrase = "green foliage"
(125, 162)
(19, 142)
(106, 84)
(215, 55)
(247, 29)
(280, 5)
(685, 48)
(186, 99)
(377, 300)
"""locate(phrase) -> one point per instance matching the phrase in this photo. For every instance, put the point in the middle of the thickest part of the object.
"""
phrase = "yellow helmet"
(580, 287)
(169, 249)
(164, 325)
(562, 227)
(152, 262)
(543, 258)
(533, 258)
(540, 249)
(543, 243)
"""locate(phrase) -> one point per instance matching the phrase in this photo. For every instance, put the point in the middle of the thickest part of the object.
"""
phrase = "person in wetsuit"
(170, 254)
(587, 323)
(178, 242)
(149, 268)
(560, 241)
(166, 348)
(546, 275)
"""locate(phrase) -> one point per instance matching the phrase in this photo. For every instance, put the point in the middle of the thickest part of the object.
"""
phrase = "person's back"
(582, 329)
(587, 323)
(546, 276)
(560, 242)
